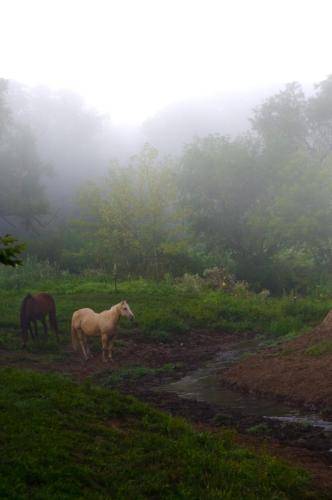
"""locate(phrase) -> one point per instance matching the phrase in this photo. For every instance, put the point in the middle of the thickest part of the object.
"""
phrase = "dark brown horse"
(37, 307)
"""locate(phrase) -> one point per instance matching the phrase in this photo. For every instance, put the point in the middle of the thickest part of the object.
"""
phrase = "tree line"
(258, 204)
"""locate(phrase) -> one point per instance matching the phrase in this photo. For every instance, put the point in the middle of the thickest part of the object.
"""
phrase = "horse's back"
(86, 311)
(44, 297)
(80, 316)
(43, 302)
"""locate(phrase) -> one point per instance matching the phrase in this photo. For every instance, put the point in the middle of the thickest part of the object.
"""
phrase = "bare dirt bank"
(299, 371)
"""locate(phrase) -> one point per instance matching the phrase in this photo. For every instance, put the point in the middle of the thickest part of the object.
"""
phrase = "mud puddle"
(249, 413)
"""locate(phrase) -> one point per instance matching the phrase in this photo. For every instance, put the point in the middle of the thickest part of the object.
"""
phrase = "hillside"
(63, 440)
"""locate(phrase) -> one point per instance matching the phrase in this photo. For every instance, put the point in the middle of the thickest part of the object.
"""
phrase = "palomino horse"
(36, 307)
(87, 323)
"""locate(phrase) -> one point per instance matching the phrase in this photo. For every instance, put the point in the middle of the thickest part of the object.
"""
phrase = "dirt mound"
(299, 370)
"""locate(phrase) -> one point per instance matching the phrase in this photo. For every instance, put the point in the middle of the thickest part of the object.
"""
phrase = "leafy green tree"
(266, 199)
(222, 186)
(281, 123)
(296, 134)
(10, 250)
(133, 216)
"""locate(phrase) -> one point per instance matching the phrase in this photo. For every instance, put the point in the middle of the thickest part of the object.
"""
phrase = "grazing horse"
(36, 307)
(87, 323)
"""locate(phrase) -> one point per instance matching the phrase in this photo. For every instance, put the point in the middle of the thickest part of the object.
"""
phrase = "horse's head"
(125, 310)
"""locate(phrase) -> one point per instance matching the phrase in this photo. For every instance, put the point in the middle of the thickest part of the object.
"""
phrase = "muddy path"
(152, 371)
(183, 353)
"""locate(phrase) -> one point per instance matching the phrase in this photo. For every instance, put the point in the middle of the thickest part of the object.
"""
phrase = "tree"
(133, 216)
(296, 138)
(222, 186)
(10, 250)
(268, 195)
(281, 122)
(21, 171)
(320, 116)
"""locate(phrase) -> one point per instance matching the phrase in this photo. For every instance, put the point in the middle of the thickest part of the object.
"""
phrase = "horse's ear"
(123, 302)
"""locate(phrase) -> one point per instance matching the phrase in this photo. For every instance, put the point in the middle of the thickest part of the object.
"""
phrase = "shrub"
(190, 283)
(218, 278)
(283, 326)
(241, 289)
(324, 347)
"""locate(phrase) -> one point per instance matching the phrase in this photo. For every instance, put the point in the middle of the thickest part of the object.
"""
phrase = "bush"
(218, 278)
(190, 283)
(283, 326)
(241, 289)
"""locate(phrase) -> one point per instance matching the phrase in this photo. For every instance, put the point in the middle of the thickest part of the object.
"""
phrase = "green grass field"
(162, 310)
(60, 440)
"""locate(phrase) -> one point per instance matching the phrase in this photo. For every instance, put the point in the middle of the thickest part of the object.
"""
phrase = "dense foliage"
(258, 204)
(10, 250)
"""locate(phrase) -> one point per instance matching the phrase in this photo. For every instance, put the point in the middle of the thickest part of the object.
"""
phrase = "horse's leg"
(110, 348)
(36, 329)
(45, 327)
(32, 335)
(104, 343)
(82, 342)
(88, 348)
(25, 336)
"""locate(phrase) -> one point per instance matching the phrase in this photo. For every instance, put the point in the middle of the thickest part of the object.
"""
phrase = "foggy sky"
(132, 58)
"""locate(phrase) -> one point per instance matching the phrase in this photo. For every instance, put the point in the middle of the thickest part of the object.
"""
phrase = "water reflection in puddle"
(203, 385)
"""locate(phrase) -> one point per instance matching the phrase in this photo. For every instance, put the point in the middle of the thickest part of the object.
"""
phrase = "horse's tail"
(74, 337)
(24, 319)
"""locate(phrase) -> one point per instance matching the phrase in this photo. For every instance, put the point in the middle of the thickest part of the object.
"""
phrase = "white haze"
(130, 59)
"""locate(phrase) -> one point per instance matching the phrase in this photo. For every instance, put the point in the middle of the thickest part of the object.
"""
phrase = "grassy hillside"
(62, 440)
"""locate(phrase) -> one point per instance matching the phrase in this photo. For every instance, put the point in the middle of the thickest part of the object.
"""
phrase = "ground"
(299, 370)
(140, 366)
(178, 332)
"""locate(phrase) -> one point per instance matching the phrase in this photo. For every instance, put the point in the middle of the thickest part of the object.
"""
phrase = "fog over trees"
(239, 180)
(74, 140)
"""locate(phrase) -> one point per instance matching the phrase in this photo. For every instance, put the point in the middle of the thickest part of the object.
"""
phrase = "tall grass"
(33, 272)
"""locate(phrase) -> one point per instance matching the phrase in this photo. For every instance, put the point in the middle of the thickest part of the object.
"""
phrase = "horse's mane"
(116, 306)
(23, 315)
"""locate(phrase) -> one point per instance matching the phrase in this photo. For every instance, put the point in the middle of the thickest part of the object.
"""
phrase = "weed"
(319, 349)
(133, 373)
(261, 429)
